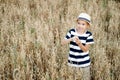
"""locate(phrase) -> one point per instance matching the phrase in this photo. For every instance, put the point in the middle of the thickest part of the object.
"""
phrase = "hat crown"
(85, 16)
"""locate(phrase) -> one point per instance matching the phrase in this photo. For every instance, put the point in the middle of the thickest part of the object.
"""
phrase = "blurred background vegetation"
(31, 32)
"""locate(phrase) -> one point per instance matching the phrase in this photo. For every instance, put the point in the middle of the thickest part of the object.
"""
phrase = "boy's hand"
(73, 38)
(78, 42)
(76, 39)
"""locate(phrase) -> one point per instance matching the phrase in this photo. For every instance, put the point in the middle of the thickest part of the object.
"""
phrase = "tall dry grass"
(31, 32)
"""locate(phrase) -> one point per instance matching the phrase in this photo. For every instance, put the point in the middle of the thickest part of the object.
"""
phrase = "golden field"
(31, 32)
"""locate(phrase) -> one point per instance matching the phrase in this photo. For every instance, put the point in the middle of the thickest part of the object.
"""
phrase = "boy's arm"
(65, 41)
(85, 48)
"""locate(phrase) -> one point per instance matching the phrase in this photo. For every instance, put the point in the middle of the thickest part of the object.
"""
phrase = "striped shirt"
(77, 57)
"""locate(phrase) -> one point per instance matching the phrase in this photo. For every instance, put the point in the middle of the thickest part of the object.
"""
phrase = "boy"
(80, 39)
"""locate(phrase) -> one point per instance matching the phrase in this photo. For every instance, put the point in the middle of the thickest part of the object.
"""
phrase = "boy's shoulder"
(72, 29)
(88, 32)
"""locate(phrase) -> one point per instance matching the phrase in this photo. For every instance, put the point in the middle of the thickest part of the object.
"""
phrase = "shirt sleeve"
(68, 35)
(90, 39)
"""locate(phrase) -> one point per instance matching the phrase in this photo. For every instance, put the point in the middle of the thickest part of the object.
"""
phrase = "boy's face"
(82, 25)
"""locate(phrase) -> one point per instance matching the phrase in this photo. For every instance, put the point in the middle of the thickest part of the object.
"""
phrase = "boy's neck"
(80, 31)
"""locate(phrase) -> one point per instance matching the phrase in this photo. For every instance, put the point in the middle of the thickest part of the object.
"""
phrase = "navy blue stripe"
(84, 19)
(79, 63)
(83, 38)
(88, 32)
(72, 30)
(75, 50)
(73, 43)
(72, 35)
(83, 44)
(90, 40)
(67, 37)
(78, 56)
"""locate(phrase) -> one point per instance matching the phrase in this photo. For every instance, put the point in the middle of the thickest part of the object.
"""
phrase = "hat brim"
(88, 21)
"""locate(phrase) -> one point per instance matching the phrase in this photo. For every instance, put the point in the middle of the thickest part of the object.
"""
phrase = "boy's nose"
(79, 25)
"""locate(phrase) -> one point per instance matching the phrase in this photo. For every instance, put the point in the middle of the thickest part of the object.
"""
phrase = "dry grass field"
(31, 32)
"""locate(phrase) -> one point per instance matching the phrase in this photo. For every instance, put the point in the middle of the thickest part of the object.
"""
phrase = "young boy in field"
(80, 39)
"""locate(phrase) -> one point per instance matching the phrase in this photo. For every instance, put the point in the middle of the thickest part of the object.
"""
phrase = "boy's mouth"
(80, 29)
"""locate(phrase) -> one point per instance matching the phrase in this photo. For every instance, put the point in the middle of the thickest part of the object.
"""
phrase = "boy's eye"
(83, 24)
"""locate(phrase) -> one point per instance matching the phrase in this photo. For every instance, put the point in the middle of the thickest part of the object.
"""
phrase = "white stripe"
(74, 47)
(90, 43)
(75, 65)
(90, 37)
(83, 41)
(68, 34)
(76, 34)
(79, 60)
(79, 54)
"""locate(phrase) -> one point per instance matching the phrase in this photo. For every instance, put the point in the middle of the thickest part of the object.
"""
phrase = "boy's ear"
(77, 20)
(88, 26)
